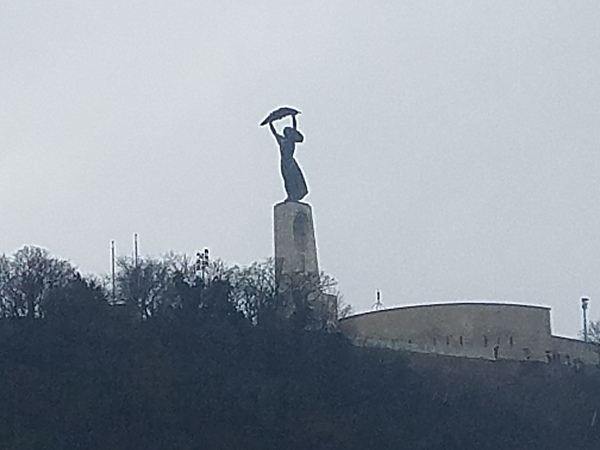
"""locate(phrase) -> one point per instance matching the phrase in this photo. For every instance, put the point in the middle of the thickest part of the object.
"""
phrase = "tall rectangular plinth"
(297, 269)
(295, 246)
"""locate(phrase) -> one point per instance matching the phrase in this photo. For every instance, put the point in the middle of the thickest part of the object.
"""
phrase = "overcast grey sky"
(451, 147)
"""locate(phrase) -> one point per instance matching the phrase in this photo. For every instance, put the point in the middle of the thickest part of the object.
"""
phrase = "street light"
(202, 263)
(584, 306)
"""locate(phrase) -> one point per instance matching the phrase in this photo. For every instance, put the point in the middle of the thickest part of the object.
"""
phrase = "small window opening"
(447, 340)
(485, 341)
(512, 342)
(461, 340)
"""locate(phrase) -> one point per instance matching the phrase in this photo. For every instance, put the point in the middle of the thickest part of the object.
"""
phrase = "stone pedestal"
(295, 246)
(297, 268)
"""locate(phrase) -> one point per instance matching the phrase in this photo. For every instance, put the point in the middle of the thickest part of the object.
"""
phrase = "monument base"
(295, 246)
(297, 276)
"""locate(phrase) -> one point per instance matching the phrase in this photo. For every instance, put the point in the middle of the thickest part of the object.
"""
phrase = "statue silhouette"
(293, 180)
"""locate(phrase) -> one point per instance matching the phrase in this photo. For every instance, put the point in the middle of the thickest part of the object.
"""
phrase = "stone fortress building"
(473, 330)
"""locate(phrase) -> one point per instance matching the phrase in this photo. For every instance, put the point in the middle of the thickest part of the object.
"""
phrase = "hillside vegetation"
(191, 368)
(217, 384)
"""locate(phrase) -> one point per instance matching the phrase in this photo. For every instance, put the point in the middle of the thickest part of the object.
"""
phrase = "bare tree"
(344, 309)
(145, 285)
(80, 303)
(7, 296)
(182, 264)
(593, 332)
(305, 299)
(28, 277)
(253, 289)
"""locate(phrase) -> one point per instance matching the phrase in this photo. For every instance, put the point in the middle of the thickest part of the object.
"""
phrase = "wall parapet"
(468, 329)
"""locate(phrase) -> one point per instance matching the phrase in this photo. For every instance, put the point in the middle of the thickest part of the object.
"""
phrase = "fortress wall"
(572, 351)
(460, 329)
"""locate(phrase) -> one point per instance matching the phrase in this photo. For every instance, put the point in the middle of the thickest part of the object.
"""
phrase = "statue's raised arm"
(274, 132)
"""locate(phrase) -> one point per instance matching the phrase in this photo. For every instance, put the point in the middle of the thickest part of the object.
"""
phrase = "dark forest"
(177, 357)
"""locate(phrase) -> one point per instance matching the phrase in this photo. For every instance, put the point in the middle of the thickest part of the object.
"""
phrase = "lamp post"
(584, 306)
(202, 263)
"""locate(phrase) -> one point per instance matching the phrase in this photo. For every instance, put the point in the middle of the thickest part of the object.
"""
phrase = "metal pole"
(584, 307)
(135, 249)
(112, 266)
(378, 304)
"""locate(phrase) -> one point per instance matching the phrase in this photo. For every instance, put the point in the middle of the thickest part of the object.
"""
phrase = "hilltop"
(227, 385)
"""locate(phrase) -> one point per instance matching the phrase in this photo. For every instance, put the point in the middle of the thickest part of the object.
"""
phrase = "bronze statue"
(293, 180)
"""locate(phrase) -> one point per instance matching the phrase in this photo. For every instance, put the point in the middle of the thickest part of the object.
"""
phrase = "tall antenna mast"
(135, 249)
(112, 269)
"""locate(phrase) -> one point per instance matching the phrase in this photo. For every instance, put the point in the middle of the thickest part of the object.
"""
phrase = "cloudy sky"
(451, 152)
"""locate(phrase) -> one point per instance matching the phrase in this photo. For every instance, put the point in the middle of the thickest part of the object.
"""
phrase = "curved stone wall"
(477, 330)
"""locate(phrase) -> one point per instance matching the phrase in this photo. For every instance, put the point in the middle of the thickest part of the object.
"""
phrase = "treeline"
(36, 285)
(184, 358)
